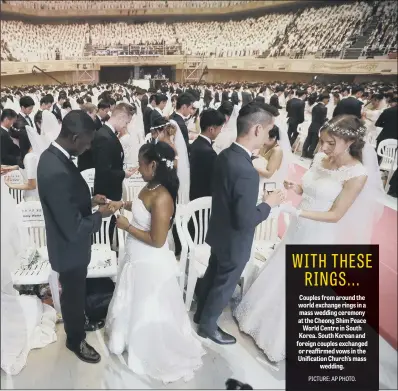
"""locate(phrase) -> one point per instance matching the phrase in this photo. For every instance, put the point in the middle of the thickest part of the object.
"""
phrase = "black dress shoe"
(219, 336)
(92, 326)
(85, 352)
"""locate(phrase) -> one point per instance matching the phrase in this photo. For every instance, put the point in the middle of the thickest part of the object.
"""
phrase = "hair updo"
(349, 128)
(162, 125)
(165, 172)
(274, 133)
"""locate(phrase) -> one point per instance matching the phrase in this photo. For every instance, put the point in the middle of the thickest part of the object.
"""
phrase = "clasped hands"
(108, 208)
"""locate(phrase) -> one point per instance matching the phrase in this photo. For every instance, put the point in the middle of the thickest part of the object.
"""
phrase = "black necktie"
(29, 120)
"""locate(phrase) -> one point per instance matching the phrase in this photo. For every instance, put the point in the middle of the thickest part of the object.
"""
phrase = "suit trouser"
(73, 304)
(310, 143)
(216, 289)
(292, 132)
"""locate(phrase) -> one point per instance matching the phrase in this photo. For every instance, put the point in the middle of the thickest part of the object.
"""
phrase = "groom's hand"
(276, 198)
(98, 199)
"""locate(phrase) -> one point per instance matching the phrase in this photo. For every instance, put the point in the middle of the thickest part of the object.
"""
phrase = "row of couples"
(147, 316)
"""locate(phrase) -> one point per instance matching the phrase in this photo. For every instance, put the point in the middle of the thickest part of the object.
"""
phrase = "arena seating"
(85, 5)
(328, 29)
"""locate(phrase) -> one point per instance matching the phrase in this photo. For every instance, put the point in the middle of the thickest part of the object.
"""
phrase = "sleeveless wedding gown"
(147, 316)
(261, 313)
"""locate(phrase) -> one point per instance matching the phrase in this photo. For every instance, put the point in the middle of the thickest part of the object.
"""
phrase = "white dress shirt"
(206, 138)
(111, 127)
(244, 148)
(56, 145)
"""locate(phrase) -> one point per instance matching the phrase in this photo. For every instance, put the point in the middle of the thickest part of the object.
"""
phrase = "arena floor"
(55, 367)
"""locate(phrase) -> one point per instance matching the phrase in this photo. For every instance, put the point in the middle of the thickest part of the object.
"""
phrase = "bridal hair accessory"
(345, 132)
(169, 163)
(159, 126)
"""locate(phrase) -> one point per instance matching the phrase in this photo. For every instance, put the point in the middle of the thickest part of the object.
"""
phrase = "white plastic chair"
(184, 245)
(199, 211)
(303, 132)
(16, 178)
(31, 227)
(387, 149)
(132, 187)
(88, 176)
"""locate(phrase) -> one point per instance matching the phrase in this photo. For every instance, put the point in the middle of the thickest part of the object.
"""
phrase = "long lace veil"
(183, 170)
(358, 223)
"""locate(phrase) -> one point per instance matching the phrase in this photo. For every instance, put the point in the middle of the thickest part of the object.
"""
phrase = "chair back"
(31, 226)
(267, 230)
(132, 187)
(88, 176)
(102, 236)
(16, 178)
(199, 212)
(183, 195)
(387, 149)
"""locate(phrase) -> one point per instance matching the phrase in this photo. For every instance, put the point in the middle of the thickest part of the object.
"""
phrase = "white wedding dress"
(147, 316)
(261, 313)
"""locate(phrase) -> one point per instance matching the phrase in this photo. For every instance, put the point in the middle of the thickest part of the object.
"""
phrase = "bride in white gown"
(274, 159)
(342, 183)
(147, 316)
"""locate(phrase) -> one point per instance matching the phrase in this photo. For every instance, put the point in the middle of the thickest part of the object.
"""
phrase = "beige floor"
(54, 367)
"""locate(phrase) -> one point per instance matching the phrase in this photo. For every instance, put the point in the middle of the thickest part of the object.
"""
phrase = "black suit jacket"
(21, 122)
(66, 202)
(388, 121)
(108, 160)
(147, 119)
(295, 110)
(153, 115)
(10, 152)
(184, 130)
(349, 105)
(57, 112)
(274, 101)
(235, 213)
(319, 113)
(86, 161)
(202, 159)
(98, 123)
(246, 98)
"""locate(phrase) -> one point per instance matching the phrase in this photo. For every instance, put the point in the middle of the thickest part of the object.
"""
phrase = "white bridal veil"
(183, 170)
(358, 223)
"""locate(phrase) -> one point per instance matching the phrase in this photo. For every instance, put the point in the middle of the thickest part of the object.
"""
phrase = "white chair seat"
(263, 249)
(103, 262)
(34, 275)
(201, 255)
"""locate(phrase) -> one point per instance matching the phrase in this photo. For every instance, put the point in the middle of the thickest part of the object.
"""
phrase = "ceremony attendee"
(28, 168)
(388, 122)
(27, 104)
(202, 157)
(318, 113)
(332, 211)
(157, 112)
(58, 106)
(147, 308)
(274, 100)
(184, 108)
(45, 104)
(295, 113)
(108, 154)
(274, 159)
(235, 215)
(103, 109)
(9, 150)
(67, 208)
(351, 105)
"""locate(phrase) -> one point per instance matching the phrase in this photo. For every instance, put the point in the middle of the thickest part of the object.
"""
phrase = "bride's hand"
(122, 222)
(115, 205)
(289, 185)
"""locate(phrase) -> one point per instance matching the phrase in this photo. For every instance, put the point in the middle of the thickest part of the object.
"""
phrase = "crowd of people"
(188, 142)
(384, 37)
(136, 4)
(329, 28)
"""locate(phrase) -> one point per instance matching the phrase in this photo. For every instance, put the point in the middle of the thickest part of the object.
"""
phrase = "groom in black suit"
(235, 215)
(203, 157)
(67, 209)
(108, 154)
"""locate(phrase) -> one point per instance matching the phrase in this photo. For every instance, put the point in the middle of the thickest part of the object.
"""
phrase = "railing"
(138, 50)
